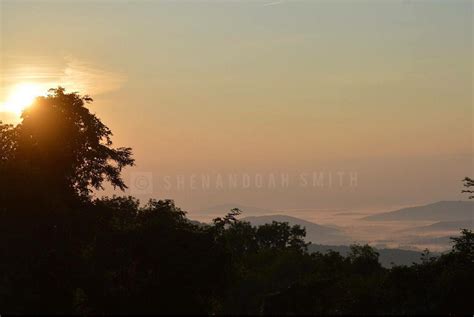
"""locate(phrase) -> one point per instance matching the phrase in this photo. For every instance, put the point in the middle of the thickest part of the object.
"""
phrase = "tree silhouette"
(468, 183)
(464, 244)
(69, 146)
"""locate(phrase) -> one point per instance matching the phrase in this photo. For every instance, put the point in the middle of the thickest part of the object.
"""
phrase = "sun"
(21, 97)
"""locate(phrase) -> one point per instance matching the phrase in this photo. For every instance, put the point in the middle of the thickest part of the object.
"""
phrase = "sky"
(284, 105)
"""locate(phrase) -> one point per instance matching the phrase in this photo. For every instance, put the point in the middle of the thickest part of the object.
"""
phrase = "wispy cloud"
(72, 73)
(87, 78)
(274, 3)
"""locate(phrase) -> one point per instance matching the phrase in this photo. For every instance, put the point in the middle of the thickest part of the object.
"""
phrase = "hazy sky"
(378, 90)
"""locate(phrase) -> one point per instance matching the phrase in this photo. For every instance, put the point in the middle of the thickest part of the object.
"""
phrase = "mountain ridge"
(438, 211)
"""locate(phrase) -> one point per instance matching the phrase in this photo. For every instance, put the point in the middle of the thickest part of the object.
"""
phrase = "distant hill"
(314, 232)
(440, 211)
(443, 226)
(386, 256)
(439, 241)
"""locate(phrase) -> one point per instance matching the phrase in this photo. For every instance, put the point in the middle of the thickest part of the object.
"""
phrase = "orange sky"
(380, 88)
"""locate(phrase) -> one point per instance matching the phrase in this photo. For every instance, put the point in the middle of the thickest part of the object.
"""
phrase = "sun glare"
(21, 96)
